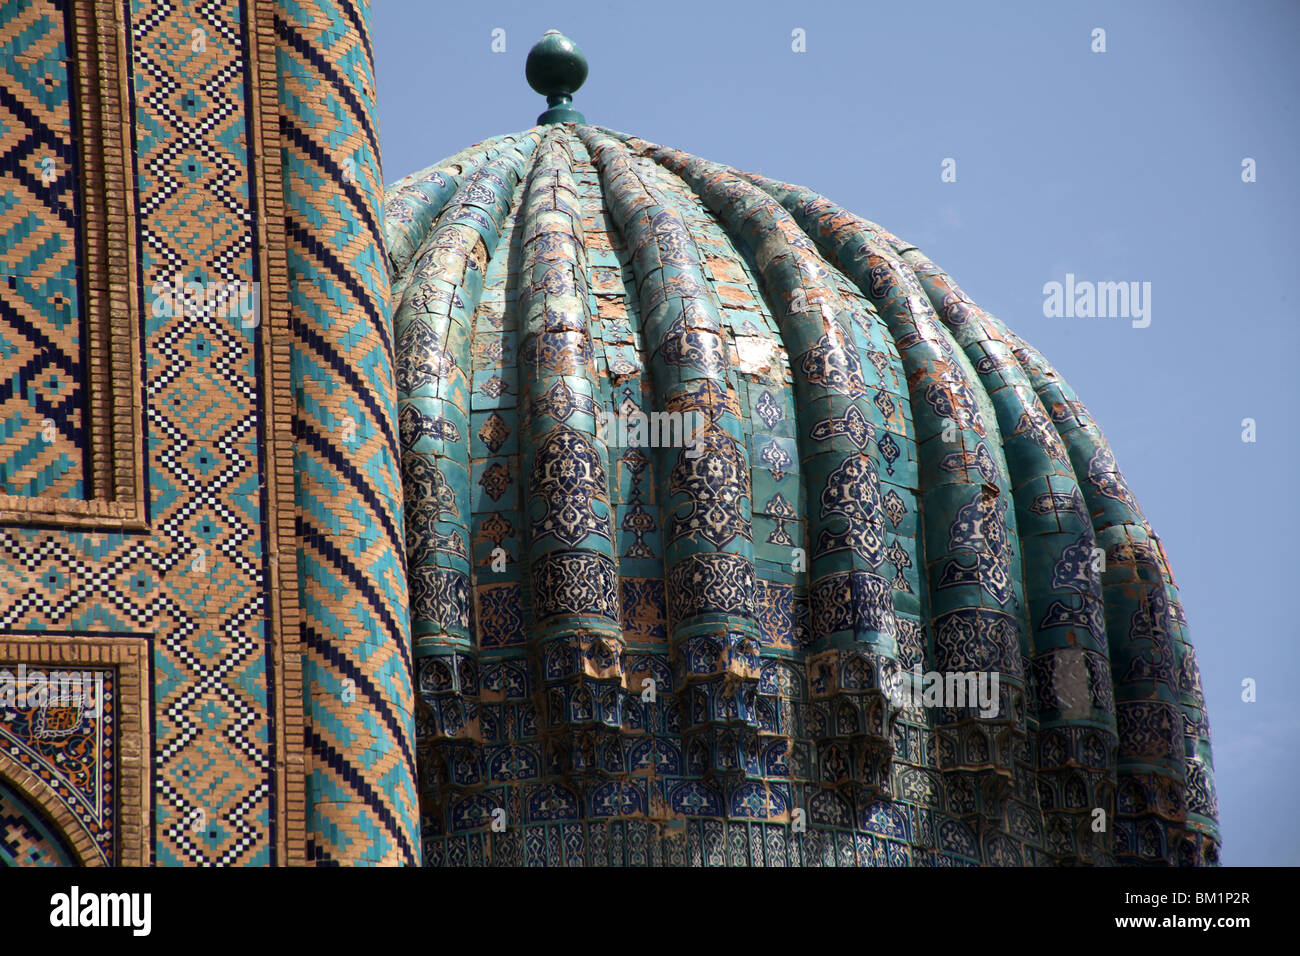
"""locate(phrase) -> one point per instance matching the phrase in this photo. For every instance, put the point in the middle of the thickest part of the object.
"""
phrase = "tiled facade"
(242, 518)
(363, 582)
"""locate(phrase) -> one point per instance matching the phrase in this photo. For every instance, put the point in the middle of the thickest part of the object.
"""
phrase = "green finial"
(556, 68)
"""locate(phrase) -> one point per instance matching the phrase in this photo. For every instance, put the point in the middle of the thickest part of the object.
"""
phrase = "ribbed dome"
(886, 480)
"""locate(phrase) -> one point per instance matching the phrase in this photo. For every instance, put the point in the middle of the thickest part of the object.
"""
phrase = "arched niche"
(35, 829)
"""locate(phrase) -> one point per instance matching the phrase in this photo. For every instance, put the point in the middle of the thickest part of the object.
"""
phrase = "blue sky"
(1117, 166)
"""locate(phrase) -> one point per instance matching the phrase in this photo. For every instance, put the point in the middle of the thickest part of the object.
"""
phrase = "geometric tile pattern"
(200, 584)
(196, 578)
(237, 414)
(889, 478)
(43, 431)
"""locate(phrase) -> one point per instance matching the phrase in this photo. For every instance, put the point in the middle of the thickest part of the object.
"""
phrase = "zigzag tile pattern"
(888, 480)
(352, 569)
(203, 422)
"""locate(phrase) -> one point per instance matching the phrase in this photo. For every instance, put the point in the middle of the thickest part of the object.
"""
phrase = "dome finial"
(556, 68)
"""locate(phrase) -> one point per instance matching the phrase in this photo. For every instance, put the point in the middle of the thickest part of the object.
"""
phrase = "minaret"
(360, 796)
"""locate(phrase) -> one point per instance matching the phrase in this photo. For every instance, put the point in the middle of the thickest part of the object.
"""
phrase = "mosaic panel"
(61, 725)
(76, 740)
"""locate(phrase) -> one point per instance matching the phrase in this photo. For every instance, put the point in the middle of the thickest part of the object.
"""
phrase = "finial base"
(561, 114)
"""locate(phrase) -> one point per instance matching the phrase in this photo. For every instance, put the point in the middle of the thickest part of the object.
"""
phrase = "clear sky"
(1117, 166)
